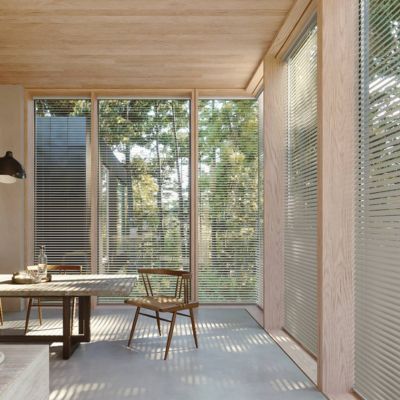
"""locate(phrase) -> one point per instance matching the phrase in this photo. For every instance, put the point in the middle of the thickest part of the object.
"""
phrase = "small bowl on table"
(34, 274)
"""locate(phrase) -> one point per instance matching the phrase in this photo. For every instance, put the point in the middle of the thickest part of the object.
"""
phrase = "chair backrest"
(183, 287)
(63, 269)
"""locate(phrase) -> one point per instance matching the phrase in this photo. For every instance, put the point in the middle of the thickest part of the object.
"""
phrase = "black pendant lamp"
(10, 169)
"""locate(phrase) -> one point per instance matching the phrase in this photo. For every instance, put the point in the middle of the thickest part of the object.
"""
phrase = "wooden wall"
(12, 196)
(275, 78)
(337, 133)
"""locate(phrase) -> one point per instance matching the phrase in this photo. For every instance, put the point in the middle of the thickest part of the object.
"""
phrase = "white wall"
(12, 196)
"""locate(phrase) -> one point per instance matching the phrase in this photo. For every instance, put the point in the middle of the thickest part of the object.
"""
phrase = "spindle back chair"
(160, 303)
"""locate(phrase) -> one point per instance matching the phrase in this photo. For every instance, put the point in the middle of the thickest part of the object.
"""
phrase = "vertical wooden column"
(275, 92)
(29, 184)
(194, 221)
(29, 163)
(94, 186)
(337, 132)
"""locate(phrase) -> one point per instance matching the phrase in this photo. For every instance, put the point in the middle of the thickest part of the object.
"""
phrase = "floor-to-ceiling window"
(377, 274)
(300, 237)
(230, 261)
(144, 149)
(260, 205)
(61, 188)
(144, 183)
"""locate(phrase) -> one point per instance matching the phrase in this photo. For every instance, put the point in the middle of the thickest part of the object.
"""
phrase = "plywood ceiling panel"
(136, 43)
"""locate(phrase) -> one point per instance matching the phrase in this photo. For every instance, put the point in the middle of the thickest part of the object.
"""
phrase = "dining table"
(66, 288)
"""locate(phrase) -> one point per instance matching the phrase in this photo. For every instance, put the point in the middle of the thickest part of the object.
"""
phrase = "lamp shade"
(10, 169)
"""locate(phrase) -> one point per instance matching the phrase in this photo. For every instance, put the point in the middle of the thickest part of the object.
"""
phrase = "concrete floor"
(236, 360)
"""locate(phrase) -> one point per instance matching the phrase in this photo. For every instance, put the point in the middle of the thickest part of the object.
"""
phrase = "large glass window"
(61, 210)
(144, 145)
(230, 261)
(300, 237)
(377, 275)
(143, 198)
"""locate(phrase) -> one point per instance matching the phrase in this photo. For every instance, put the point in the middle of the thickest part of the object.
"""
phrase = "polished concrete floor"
(236, 360)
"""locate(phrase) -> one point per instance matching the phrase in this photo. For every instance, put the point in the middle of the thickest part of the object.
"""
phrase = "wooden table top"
(71, 285)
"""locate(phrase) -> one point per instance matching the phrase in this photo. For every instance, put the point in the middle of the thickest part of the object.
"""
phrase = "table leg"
(84, 317)
(67, 343)
(80, 315)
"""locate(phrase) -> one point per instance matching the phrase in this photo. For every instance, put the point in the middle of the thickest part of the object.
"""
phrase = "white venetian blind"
(300, 237)
(230, 201)
(144, 148)
(61, 209)
(377, 275)
(260, 205)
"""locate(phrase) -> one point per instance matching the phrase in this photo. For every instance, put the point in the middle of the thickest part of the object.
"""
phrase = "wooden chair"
(1, 314)
(52, 301)
(165, 304)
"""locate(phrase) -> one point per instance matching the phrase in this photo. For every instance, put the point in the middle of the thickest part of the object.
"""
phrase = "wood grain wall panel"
(337, 102)
(275, 90)
(12, 222)
(256, 82)
(29, 164)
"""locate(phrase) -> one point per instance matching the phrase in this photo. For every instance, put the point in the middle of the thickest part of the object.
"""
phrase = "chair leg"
(28, 313)
(40, 312)
(73, 314)
(194, 328)
(1, 314)
(133, 325)
(158, 322)
(171, 332)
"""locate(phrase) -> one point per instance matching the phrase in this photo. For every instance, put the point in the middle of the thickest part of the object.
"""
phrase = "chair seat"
(159, 303)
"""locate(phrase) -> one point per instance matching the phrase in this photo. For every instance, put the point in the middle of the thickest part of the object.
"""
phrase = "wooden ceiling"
(136, 43)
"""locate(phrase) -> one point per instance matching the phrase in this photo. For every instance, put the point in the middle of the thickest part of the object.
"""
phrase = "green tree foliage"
(150, 139)
(381, 78)
(62, 107)
(229, 199)
(384, 34)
